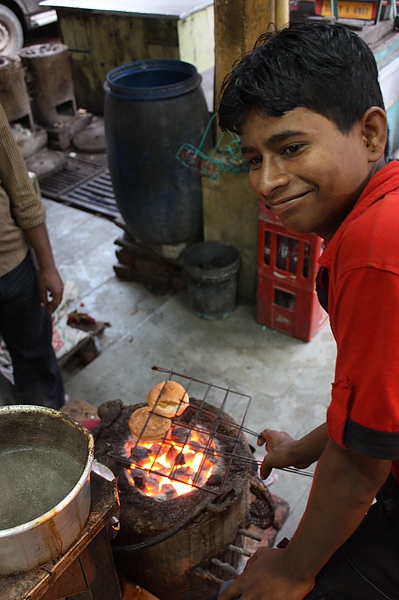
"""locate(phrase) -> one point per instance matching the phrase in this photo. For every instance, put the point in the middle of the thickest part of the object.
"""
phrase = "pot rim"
(52, 513)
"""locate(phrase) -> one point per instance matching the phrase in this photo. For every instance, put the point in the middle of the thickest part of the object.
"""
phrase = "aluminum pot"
(45, 465)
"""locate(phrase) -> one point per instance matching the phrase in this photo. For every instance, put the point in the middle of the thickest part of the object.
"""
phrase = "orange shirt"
(363, 304)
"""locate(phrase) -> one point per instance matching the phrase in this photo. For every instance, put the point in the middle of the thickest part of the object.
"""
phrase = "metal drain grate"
(82, 184)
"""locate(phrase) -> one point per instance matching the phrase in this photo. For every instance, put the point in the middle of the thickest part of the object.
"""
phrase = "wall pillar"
(230, 205)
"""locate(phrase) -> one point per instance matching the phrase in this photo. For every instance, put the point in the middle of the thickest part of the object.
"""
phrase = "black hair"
(323, 67)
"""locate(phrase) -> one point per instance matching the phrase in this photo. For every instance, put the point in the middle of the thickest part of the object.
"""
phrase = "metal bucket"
(211, 270)
(45, 465)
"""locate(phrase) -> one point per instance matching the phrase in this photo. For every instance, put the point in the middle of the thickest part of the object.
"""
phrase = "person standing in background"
(30, 285)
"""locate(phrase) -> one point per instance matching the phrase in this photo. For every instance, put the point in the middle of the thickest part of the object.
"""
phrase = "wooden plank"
(105, 43)
(99, 569)
(88, 92)
(131, 39)
(160, 39)
(163, 51)
(74, 30)
(135, 592)
(71, 585)
(161, 31)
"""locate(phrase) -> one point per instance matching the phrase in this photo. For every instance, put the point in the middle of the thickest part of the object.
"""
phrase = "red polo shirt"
(363, 304)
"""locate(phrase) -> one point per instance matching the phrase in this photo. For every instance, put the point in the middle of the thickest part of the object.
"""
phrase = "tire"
(11, 33)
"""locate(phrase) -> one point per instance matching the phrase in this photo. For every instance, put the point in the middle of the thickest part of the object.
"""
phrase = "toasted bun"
(168, 398)
(146, 425)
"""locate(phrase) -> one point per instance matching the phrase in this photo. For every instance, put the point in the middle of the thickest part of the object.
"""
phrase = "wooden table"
(87, 570)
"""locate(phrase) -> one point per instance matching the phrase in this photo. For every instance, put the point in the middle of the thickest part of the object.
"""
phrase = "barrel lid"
(152, 79)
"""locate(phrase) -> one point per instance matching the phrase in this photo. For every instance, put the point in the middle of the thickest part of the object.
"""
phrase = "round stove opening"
(174, 466)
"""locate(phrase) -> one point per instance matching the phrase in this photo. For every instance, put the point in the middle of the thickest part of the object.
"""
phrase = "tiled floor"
(287, 379)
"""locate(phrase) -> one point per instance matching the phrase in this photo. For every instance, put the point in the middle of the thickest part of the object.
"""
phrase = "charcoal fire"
(171, 467)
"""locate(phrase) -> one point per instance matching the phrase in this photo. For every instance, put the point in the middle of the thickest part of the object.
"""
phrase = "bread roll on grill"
(168, 398)
(147, 426)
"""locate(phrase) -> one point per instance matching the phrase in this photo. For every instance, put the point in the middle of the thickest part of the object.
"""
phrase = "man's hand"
(51, 288)
(279, 446)
(268, 576)
(283, 451)
(50, 283)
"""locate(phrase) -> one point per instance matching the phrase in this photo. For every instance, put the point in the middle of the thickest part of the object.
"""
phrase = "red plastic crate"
(284, 256)
(289, 309)
(287, 268)
(265, 214)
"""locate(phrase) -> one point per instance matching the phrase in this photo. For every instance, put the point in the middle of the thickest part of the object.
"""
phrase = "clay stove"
(50, 85)
(181, 544)
(15, 100)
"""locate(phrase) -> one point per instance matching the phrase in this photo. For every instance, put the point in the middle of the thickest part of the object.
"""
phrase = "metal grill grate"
(82, 184)
(205, 415)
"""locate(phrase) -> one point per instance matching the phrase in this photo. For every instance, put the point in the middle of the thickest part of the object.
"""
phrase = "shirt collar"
(383, 182)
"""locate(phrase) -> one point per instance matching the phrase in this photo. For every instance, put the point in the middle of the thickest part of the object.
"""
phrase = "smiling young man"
(307, 104)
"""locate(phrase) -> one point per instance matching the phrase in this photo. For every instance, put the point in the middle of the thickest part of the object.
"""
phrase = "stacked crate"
(287, 268)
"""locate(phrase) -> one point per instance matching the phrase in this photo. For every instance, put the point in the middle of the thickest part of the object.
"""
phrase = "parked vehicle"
(364, 10)
(17, 17)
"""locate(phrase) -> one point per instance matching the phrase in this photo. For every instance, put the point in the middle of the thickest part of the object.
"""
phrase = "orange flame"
(170, 467)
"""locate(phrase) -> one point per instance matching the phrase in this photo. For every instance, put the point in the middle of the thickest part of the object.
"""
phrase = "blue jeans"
(26, 329)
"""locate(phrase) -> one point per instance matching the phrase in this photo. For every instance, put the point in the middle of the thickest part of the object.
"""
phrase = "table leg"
(99, 570)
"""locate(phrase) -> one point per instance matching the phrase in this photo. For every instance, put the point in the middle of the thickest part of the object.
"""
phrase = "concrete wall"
(231, 216)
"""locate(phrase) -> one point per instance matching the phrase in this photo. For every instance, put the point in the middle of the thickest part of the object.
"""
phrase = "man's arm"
(343, 489)
(49, 279)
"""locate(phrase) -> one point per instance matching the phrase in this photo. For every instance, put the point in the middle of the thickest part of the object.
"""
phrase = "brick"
(123, 272)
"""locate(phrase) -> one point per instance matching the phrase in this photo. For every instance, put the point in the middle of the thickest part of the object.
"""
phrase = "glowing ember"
(171, 467)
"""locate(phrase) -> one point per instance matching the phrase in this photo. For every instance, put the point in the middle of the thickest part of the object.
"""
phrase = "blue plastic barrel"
(152, 107)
